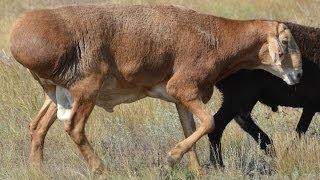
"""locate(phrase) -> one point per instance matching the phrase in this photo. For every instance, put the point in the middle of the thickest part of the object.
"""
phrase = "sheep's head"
(281, 56)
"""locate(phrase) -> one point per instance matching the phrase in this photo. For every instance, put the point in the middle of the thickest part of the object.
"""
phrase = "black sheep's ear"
(274, 108)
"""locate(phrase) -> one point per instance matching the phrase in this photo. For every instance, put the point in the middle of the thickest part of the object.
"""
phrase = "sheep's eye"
(284, 42)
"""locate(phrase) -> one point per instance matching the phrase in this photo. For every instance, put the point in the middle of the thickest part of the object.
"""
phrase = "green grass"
(133, 141)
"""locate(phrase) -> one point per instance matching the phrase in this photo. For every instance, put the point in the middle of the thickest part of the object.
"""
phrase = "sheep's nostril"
(299, 75)
(280, 54)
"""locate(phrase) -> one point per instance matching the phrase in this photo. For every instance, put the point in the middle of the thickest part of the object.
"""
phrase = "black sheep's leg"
(247, 124)
(305, 120)
(222, 117)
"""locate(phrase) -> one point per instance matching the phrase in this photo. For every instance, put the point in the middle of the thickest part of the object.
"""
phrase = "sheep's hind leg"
(248, 125)
(39, 127)
(83, 99)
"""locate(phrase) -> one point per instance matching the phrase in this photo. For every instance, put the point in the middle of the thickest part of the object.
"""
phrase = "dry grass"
(133, 140)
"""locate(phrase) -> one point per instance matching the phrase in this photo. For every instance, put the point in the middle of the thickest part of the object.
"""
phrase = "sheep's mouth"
(292, 77)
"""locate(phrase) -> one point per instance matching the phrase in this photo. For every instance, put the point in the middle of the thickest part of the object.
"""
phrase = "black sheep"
(242, 90)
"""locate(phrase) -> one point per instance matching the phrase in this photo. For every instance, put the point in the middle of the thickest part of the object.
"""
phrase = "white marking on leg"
(64, 103)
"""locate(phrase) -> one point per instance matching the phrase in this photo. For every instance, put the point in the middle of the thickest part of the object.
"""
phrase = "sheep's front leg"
(206, 126)
(183, 87)
(188, 126)
(305, 120)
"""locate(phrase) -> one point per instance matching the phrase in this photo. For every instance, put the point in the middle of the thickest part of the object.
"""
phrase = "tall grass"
(133, 140)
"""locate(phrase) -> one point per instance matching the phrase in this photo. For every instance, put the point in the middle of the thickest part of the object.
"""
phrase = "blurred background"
(133, 141)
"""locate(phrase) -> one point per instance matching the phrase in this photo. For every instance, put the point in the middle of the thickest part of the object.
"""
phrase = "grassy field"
(133, 141)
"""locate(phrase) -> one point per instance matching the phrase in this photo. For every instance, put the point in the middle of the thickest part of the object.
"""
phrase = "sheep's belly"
(112, 95)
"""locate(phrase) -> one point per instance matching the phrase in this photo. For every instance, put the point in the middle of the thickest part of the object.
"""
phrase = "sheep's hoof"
(171, 161)
(197, 170)
(173, 157)
(271, 151)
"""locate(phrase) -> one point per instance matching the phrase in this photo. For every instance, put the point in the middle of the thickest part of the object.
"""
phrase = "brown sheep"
(107, 55)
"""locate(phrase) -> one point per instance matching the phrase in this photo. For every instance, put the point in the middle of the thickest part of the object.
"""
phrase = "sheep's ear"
(281, 27)
(292, 45)
(286, 36)
(293, 49)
